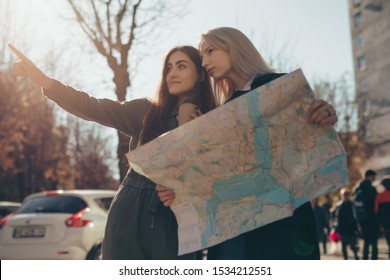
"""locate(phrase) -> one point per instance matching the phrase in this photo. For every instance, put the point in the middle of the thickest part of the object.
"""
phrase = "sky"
(314, 34)
(319, 31)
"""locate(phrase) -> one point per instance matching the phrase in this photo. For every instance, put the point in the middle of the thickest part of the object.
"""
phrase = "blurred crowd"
(359, 213)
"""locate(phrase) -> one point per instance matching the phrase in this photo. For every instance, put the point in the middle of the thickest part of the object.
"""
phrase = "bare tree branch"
(109, 30)
(99, 24)
(133, 26)
(118, 21)
(83, 24)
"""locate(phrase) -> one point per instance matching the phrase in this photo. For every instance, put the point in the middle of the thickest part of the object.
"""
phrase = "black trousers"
(350, 241)
(370, 231)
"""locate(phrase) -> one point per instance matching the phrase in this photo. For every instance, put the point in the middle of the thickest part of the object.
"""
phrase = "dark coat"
(346, 221)
(369, 194)
(322, 224)
(370, 223)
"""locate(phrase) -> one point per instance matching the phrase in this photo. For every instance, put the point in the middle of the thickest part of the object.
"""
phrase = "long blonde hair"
(244, 57)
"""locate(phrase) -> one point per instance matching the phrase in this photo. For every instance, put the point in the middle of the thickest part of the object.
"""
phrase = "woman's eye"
(182, 66)
(210, 50)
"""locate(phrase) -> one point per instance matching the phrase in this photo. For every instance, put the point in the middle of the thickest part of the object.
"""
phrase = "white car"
(59, 224)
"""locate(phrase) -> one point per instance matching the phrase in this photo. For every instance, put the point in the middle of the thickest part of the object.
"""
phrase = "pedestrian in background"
(382, 209)
(365, 196)
(322, 224)
(347, 224)
(334, 237)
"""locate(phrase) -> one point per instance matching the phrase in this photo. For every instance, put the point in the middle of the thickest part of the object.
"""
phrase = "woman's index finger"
(18, 53)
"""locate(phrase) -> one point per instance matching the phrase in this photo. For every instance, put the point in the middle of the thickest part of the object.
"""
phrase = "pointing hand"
(26, 68)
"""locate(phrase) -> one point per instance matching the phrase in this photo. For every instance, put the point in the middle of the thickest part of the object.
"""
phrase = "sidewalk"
(337, 255)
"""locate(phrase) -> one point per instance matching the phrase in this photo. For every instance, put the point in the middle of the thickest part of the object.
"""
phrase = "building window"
(357, 19)
(374, 7)
(361, 62)
(356, 2)
(359, 41)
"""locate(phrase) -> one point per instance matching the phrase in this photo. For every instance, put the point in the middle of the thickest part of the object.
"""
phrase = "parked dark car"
(7, 207)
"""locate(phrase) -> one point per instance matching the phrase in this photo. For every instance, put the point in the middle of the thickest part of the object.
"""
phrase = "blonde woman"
(236, 66)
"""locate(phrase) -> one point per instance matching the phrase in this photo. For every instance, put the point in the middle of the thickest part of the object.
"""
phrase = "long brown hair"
(155, 121)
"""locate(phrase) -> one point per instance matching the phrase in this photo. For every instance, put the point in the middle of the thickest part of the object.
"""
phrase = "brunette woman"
(137, 227)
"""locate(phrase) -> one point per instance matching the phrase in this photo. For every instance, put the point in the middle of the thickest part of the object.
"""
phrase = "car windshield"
(53, 204)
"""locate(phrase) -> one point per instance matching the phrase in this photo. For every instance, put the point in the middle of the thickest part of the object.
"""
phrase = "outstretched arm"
(26, 68)
(126, 117)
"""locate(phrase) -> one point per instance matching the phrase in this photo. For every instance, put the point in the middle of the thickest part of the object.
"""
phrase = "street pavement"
(334, 252)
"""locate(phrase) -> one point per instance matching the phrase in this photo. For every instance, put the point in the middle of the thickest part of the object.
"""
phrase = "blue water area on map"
(255, 183)
(339, 164)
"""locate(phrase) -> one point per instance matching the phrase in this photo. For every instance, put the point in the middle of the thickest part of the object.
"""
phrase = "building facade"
(370, 32)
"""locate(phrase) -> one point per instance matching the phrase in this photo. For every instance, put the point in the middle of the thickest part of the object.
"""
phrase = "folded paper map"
(245, 164)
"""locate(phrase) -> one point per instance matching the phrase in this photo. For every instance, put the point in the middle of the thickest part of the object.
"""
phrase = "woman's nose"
(172, 73)
(204, 62)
